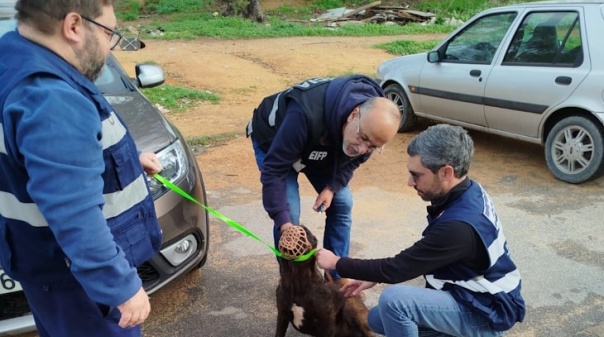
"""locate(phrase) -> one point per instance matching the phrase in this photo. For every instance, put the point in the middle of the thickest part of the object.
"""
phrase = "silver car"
(185, 225)
(533, 72)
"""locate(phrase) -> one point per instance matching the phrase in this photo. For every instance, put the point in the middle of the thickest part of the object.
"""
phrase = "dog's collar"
(305, 256)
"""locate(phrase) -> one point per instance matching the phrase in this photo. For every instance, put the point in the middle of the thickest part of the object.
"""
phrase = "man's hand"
(285, 226)
(355, 287)
(326, 259)
(135, 310)
(150, 163)
(323, 200)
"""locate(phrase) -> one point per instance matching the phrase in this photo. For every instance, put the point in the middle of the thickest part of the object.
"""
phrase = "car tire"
(574, 149)
(395, 93)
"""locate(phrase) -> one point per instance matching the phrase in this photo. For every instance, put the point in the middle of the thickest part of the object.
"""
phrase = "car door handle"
(475, 73)
(564, 80)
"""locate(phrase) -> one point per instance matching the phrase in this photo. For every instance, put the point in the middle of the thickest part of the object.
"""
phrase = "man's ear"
(72, 28)
(354, 114)
(448, 172)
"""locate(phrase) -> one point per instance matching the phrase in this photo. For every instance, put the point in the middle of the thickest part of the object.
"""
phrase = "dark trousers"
(66, 311)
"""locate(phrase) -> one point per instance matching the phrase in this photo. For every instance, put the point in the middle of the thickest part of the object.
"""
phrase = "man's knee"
(343, 199)
(396, 297)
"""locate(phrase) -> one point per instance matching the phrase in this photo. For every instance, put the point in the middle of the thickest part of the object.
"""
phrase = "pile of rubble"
(374, 13)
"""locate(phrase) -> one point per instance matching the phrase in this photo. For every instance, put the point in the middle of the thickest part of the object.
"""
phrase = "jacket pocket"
(134, 238)
(122, 166)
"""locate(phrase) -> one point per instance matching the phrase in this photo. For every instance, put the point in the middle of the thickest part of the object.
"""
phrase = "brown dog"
(312, 305)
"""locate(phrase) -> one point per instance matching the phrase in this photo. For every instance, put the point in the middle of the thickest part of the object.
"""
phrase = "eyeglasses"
(363, 139)
(114, 37)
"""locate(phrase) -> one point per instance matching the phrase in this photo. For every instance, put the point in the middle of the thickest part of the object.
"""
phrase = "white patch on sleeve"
(298, 315)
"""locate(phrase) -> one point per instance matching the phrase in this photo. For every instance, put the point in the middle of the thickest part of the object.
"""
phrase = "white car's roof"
(7, 9)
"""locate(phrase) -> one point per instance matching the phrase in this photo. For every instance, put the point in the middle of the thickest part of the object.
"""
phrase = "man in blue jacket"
(76, 215)
(325, 128)
(472, 284)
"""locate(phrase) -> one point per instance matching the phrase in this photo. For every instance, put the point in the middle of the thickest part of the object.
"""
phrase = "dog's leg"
(282, 324)
(282, 314)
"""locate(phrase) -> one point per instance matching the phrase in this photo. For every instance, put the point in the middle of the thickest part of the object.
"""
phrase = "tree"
(254, 11)
(249, 9)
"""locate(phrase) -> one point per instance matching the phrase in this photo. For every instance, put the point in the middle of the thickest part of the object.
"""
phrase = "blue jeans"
(338, 220)
(408, 311)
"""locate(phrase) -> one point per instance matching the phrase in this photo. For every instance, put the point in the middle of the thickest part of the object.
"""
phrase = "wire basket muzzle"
(294, 243)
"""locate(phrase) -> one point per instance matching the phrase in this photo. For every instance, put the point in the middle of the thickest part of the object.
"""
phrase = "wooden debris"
(374, 13)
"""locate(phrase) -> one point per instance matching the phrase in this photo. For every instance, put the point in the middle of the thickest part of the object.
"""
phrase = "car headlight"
(174, 162)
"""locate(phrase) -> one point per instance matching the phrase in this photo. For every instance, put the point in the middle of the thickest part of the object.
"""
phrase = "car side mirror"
(149, 75)
(433, 56)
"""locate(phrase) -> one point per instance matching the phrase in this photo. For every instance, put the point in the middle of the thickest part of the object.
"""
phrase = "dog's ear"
(311, 237)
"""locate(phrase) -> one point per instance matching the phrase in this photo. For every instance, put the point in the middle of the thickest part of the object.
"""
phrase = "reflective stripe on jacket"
(80, 212)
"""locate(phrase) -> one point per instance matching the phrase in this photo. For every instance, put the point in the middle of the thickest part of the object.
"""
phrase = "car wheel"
(396, 94)
(574, 150)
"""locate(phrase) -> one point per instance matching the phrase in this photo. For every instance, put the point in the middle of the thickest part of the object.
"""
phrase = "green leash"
(226, 220)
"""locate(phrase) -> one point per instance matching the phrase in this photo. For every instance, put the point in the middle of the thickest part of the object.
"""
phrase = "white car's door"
(542, 66)
(453, 87)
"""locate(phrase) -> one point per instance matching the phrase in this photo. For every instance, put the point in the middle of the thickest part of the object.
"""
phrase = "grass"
(177, 98)
(191, 26)
(212, 140)
(190, 19)
(406, 47)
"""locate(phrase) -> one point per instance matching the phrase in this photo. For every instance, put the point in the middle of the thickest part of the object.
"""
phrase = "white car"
(533, 72)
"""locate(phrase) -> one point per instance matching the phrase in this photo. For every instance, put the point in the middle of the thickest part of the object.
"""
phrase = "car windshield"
(110, 82)
(7, 16)
(6, 25)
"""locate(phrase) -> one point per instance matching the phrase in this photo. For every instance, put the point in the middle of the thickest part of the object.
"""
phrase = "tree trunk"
(249, 9)
(254, 12)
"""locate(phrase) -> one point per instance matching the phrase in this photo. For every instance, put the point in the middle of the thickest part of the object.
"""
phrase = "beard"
(91, 58)
(429, 195)
(350, 150)
(433, 193)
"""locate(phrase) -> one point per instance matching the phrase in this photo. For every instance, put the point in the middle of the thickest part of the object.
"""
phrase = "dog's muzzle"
(294, 243)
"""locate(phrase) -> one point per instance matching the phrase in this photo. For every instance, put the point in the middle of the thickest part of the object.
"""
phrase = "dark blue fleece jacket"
(342, 95)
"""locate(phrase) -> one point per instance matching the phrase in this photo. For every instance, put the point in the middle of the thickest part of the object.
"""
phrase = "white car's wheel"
(574, 150)
(395, 93)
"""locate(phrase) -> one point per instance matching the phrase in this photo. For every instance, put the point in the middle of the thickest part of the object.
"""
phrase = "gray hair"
(44, 14)
(441, 145)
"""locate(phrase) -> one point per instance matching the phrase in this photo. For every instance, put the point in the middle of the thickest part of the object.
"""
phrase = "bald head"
(381, 119)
